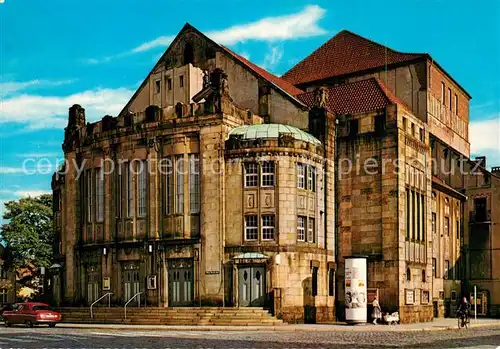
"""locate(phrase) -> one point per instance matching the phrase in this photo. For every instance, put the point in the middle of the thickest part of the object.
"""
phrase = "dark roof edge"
(436, 183)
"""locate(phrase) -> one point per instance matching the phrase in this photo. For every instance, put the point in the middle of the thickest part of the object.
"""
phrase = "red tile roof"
(356, 97)
(343, 54)
(279, 82)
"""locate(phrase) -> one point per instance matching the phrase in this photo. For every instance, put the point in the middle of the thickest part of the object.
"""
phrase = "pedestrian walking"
(377, 311)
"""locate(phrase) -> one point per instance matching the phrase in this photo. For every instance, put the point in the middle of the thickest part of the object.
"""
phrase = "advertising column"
(355, 290)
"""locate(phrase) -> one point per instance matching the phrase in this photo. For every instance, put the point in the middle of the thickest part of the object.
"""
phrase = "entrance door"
(251, 286)
(93, 289)
(131, 283)
(180, 282)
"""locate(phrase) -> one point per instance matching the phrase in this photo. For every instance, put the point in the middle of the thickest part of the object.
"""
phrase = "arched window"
(408, 274)
(188, 54)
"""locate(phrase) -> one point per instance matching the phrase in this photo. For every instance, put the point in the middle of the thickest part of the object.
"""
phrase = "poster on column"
(355, 290)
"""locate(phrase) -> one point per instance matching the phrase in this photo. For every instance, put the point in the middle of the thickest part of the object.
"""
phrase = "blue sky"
(55, 53)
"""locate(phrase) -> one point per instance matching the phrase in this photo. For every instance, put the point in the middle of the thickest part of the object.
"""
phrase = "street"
(43, 337)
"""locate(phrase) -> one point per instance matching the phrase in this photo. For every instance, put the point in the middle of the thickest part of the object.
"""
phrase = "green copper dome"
(265, 131)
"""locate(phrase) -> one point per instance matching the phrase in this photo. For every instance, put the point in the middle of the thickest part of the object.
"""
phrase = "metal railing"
(109, 303)
(130, 300)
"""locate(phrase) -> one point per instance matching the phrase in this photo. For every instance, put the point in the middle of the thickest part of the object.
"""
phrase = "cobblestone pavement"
(43, 337)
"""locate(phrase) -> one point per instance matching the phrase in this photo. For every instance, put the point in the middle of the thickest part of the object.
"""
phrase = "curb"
(281, 328)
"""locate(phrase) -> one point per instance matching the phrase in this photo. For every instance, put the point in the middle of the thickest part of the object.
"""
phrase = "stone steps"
(172, 316)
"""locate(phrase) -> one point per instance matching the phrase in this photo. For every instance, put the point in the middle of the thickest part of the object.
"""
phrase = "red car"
(30, 314)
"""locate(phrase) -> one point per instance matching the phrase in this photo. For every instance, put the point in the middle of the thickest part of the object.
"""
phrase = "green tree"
(28, 236)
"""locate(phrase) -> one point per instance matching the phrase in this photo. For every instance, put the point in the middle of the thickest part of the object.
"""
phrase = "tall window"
(142, 188)
(129, 189)
(179, 184)
(3, 295)
(194, 184)
(268, 227)
(268, 173)
(442, 93)
(458, 230)
(447, 269)
(169, 186)
(418, 216)
(414, 223)
(251, 228)
(181, 81)
(449, 95)
(157, 86)
(169, 83)
(456, 104)
(99, 193)
(408, 220)
(434, 218)
(3, 274)
(314, 290)
(447, 226)
(311, 178)
(119, 191)
(301, 225)
(434, 266)
(301, 176)
(251, 175)
(423, 218)
(88, 176)
(310, 229)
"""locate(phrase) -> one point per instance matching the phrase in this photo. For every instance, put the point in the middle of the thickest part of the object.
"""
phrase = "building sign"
(151, 282)
(106, 283)
(410, 297)
(355, 290)
(212, 272)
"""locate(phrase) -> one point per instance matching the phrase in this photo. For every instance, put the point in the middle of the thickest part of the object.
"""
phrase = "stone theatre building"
(222, 184)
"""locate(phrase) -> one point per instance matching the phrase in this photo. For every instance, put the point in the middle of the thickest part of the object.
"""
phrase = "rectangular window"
(181, 81)
(434, 265)
(129, 189)
(447, 269)
(251, 175)
(169, 186)
(442, 93)
(88, 176)
(310, 230)
(99, 193)
(314, 291)
(157, 86)
(142, 188)
(179, 184)
(423, 217)
(414, 221)
(301, 226)
(169, 83)
(456, 104)
(405, 124)
(268, 173)
(380, 123)
(353, 127)
(418, 216)
(268, 227)
(434, 218)
(412, 129)
(447, 226)
(458, 230)
(301, 176)
(408, 219)
(119, 191)
(450, 96)
(311, 178)
(251, 228)
(331, 282)
(3, 295)
(194, 184)
(422, 135)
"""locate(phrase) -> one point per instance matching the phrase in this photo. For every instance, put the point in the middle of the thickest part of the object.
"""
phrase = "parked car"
(30, 314)
(6, 307)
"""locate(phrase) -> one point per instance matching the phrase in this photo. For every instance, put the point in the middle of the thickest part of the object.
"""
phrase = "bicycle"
(463, 320)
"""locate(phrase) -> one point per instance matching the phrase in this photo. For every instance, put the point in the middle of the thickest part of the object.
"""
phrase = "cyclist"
(464, 308)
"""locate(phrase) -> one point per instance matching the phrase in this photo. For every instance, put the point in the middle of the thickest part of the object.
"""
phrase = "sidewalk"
(437, 325)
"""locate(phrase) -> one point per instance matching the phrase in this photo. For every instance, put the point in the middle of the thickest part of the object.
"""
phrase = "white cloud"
(298, 25)
(273, 57)
(11, 170)
(31, 193)
(36, 112)
(485, 139)
(39, 155)
(10, 87)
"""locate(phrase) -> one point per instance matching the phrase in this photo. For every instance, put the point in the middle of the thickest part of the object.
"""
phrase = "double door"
(180, 282)
(131, 283)
(251, 286)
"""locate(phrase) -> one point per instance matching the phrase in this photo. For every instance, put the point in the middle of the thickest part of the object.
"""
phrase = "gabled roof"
(279, 82)
(343, 54)
(356, 97)
(282, 85)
